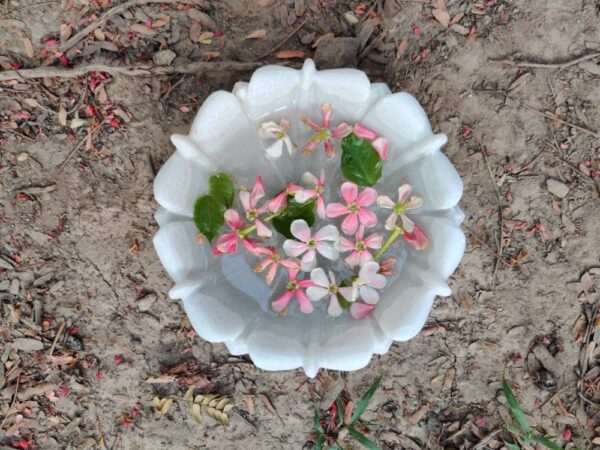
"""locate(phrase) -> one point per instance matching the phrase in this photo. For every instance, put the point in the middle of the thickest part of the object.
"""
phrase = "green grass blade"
(362, 439)
(512, 446)
(545, 442)
(317, 424)
(364, 401)
(320, 442)
(515, 407)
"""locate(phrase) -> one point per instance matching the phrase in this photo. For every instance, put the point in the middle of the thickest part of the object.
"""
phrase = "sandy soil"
(81, 279)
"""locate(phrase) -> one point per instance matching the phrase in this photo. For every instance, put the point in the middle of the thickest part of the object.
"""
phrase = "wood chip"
(441, 16)
(62, 116)
(256, 34)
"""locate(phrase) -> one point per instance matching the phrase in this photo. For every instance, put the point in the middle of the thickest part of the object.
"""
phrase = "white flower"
(308, 244)
(365, 284)
(270, 130)
(322, 287)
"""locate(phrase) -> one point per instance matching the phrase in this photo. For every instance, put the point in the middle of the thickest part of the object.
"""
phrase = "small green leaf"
(208, 216)
(362, 439)
(545, 442)
(360, 164)
(515, 407)
(294, 211)
(364, 401)
(343, 302)
(317, 424)
(512, 446)
(222, 189)
(340, 410)
(320, 442)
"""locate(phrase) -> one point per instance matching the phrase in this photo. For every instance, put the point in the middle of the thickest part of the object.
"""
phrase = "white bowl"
(225, 301)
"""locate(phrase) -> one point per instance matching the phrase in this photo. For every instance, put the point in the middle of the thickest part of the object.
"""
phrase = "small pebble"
(557, 188)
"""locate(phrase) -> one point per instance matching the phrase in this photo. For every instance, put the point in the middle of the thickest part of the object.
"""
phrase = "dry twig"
(198, 67)
(547, 65)
(558, 119)
(287, 38)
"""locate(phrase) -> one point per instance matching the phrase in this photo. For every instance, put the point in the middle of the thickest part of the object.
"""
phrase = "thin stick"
(555, 117)
(198, 67)
(287, 38)
(11, 405)
(500, 218)
(547, 65)
(77, 147)
(58, 333)
(68, 44)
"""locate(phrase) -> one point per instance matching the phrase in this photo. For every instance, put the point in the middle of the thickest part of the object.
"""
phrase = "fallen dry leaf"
(65, 31)
(416, 417)
(442, 16)
(249, 403)
(402, 47)
(209, 56)
(288, 54)
(322, 38)
(449, 379)
(433, 329)
(28, 47)
(62, 116)
(161, 22)
(267, 403)
(348, 412)
(256, 34)
(143, 30)
(195, 32)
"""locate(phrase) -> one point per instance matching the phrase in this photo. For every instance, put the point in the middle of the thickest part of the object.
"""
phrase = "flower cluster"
(347, 228)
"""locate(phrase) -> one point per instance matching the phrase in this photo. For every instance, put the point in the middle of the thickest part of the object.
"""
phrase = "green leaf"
(222, 189)
(340, 410)
(515, 407)
(548, 443)
(362, 439)
(208, 216)
(343, 302)
(294, 211)
(361, 164)
(317, 424)
(512, 446)
(320, 442)
(364, 401)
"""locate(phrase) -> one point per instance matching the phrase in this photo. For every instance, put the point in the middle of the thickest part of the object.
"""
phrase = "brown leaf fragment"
(449, 379)
(249, 403)
(256, 34)
(289, 54)
(65, 31)
(267, 402)
(348, 412)
(195, 32)
(62, 116)
(161, 379)
(143, 30)
(416, 417)
(442, 16)
(28, 47)
(432, 329)
(587, 282)
(402, 47)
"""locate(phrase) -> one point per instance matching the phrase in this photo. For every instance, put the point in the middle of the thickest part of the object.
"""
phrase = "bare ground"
(81, 276)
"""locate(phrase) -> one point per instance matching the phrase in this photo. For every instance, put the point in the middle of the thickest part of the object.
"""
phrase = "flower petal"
(360, 310)
(390, 222)
(367, 217)
(271, 274)
(309, 261)
(344, 245)
(227, 243)
(350, 224)
(316, 293)
(327, 233)
(232, 218)
(310, 179)
(289, 144)
(407, 224)
(368, 270)
(334, 309)
(369, 295)
(349, 191)
(300, 230)
(414, 202)
(262, 230)
(377, 281)
(363, 132)
(329, 148)
(382, 147)
(336, 210)
(341, 131)
(310, 147)
(346, 292)
(245, 199)
(367, 197)
(404, 192)
(353, 259)
(310, 123)
(294, 248)
(365, 257)
(305, 195)
(417, 238)
(262, 265)
(320, 207)
(319, 278)
(278, 203)
(268, 130)
(326, 111)
(327, 251)
(282, 302)
(374, 241)
(275, 149)
(306, 305)
(383, 201)
(258, 191)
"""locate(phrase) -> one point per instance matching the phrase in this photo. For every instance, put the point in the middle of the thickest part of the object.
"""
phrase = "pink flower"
(249, 202)
(294, 287)
(359, 310)
(323, 134)
(386, 266)
(405, 203)
(280, 202)
(417, 238)
(355, 208)
(228, 242)
(359, 248)
(309, 245)
(380, 144)
(272, 260)
(364, 285)
(322, 287)
(317, 192)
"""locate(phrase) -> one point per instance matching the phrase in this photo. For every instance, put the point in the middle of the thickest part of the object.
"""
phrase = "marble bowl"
(224, 299)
